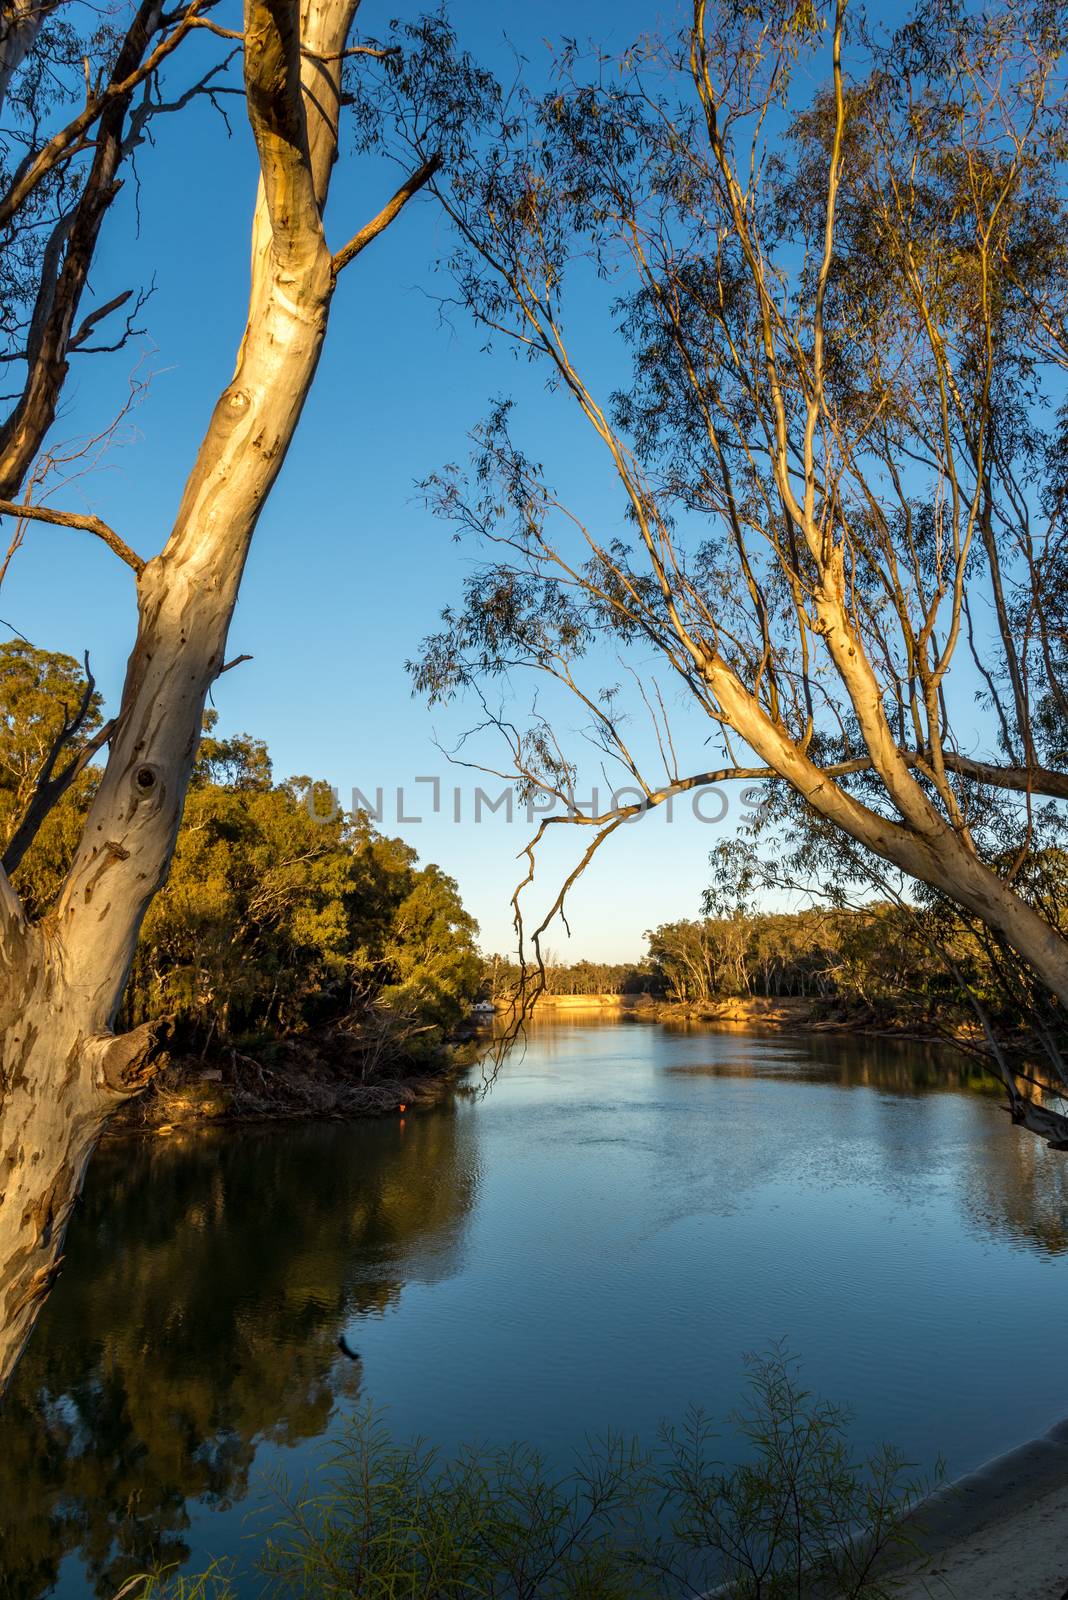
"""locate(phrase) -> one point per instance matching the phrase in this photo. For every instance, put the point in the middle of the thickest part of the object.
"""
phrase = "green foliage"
(801, 1515)
(272, 919)
(501, 977)
(39, 692)
(394, 1522)
(872, 954)
(211, 1585)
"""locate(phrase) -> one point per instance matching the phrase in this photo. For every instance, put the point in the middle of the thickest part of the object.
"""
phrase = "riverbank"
(302, 1081)
(753, 1010)
(323, 1076)
(1001, 1532)
(800, 1013)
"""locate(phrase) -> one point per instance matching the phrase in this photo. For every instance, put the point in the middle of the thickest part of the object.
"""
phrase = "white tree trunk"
(63, 1072)
(20, 23)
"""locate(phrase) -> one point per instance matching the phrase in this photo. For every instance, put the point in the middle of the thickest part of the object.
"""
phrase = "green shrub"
(800, 1516)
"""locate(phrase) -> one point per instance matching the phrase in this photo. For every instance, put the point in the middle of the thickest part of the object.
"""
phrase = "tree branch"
(71, 138)
(378, 54)
(1025, 780)
(89, 323)
(389, 211)
(74, 519)
(126, 1062)
(68, 261)
(49, 789)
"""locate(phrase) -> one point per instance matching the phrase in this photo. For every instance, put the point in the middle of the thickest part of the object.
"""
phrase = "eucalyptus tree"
(63, 1069)
(840, 455)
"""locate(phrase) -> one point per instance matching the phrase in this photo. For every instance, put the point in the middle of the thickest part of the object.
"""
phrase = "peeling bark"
(63, 1072)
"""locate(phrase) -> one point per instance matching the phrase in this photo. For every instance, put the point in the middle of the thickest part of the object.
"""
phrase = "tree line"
(900, 961)
(273, 921)
(873, 955)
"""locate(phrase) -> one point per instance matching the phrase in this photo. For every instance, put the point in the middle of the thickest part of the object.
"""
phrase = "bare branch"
(68, 260)
(75, 519)
(71, 138)
(88, 323)
(389, 211)
(376, 53)
(215, 27)
(50, 786)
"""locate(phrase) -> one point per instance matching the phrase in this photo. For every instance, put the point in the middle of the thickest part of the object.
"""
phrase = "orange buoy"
(402, 1108)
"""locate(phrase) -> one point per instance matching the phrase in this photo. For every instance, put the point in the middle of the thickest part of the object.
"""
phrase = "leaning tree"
(63, 1070)
(841, 451)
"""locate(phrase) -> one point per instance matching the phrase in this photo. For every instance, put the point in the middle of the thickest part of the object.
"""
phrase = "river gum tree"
(840, 456)
(63, 1070)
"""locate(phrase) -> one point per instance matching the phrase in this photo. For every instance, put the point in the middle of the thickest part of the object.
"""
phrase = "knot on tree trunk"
(126, 1063)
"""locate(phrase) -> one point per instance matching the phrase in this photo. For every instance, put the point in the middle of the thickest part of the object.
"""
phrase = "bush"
(800, 1516)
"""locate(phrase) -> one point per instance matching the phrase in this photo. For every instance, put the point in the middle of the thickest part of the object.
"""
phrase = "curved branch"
(74, 519)
(72, 138)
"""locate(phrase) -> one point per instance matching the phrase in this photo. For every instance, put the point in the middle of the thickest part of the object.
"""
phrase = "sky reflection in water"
(593, 1246)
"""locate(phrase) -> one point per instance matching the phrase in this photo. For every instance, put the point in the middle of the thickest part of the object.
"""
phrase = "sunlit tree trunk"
(63, 1072)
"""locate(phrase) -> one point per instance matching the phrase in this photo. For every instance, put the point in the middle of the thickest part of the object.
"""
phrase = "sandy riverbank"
(1000, 1533)
(755, 1013)
(747, 1010)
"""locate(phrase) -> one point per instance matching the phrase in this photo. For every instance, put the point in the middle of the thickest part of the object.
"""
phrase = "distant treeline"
(877, 955)
(500, 976)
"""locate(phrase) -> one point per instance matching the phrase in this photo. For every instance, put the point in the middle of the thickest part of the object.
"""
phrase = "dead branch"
(76, 519)
(67, 264)
(70, 140)
(228, 666)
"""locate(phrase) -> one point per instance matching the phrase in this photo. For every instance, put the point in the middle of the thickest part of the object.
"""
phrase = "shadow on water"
(209, 1278)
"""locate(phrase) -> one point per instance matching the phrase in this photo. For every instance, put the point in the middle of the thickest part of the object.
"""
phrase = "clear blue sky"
(348, 571)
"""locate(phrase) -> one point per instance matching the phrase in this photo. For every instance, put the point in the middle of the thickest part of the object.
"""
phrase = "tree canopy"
(833, 250)
(272, 919)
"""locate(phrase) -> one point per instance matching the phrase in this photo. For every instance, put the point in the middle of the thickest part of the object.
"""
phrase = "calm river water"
(593, 1246)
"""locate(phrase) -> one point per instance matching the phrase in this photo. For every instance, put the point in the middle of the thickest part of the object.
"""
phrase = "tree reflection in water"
(209, 1275)
(208, 1280)
(1013, 1184)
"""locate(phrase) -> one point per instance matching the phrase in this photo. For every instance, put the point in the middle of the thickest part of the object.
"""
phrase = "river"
(594, 1244)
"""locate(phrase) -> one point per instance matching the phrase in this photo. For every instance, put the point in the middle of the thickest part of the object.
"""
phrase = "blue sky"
(348, 570)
